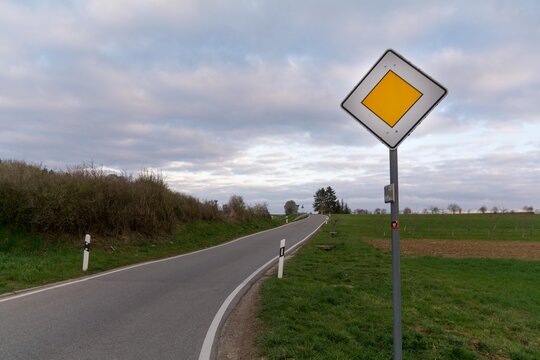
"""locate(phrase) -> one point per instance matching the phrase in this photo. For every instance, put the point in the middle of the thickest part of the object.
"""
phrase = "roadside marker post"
(391, 101)
(281, 258)
(86, 252)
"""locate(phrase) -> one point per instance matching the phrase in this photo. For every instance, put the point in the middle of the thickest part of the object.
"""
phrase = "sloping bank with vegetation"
(45, 214)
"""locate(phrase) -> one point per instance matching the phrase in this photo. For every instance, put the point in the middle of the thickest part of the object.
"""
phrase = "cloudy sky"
(243, 97)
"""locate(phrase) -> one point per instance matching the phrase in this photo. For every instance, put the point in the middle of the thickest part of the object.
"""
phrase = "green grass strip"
(31, 260)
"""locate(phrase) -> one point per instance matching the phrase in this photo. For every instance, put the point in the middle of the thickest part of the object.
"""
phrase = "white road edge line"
(33, 292)
(206, 350)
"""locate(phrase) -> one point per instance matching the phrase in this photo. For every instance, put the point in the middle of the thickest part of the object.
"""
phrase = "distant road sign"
(393, 98)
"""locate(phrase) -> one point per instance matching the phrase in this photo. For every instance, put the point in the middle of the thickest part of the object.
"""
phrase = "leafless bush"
(236, 209)
(260, 210)
(89, 199)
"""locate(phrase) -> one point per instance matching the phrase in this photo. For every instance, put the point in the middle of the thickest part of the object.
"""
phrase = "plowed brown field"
(467, 248)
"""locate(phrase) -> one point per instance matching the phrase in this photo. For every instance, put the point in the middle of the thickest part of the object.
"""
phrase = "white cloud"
(244, 97)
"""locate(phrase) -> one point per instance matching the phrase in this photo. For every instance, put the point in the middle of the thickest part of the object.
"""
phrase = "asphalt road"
(160, 310)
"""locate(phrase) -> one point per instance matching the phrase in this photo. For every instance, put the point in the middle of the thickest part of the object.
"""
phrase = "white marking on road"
(206, 350)
(40, 290)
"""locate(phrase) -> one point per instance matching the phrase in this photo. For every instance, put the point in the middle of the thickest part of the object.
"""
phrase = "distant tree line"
(452, 208)
(377, 211)
(237, 210)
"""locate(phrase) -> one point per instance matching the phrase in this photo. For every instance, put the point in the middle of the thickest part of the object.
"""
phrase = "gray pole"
(396, 272)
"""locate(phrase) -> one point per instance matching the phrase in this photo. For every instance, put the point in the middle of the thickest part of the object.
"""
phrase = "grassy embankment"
(44, 216)
(337, 304)
(35, 264)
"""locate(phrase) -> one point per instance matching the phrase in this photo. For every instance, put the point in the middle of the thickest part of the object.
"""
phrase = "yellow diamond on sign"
(391, 98)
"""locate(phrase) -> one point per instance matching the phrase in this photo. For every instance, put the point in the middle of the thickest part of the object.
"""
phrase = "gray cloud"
(204, 90)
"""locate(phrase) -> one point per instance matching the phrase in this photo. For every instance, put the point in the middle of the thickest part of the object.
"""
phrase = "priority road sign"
(393, 98)
(390, 101)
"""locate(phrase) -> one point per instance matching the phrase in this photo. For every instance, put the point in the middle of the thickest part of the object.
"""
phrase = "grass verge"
(336, 304)
(38, 260)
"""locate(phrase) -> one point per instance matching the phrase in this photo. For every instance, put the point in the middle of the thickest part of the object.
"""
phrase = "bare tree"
(454, 208)
(483, 209)
(434, 209)
(291, 207)
(407, 211)
(495, 210)
(528, 209)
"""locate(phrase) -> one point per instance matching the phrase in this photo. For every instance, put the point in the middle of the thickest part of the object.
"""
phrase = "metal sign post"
(396, 266)
(391, 101)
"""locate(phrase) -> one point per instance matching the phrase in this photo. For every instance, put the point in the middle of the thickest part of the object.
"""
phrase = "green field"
(31, 260)
(522, 227)
(337, 304)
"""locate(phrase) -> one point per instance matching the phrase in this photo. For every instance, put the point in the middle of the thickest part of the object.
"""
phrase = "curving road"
(168, 309)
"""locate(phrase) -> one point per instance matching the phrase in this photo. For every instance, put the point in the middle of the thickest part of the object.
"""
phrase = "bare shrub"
(260, 210)
(236, 209)
(89, 199)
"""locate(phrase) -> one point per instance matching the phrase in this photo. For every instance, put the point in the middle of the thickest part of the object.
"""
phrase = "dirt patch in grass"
(238, 339)
(466, 248)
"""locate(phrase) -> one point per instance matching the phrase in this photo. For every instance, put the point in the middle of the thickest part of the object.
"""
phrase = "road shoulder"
(238, 338)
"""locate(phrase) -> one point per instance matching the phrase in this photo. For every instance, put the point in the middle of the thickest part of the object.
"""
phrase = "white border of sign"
(432, 94)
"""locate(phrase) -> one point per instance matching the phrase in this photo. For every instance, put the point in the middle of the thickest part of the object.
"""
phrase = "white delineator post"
(86, 252)
(281, 258)
(286, 219)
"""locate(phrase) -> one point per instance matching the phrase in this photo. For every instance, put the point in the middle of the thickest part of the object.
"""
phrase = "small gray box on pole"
(389, 194)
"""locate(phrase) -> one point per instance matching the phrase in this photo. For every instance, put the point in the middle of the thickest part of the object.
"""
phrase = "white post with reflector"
(281, 258)
(86, 252)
